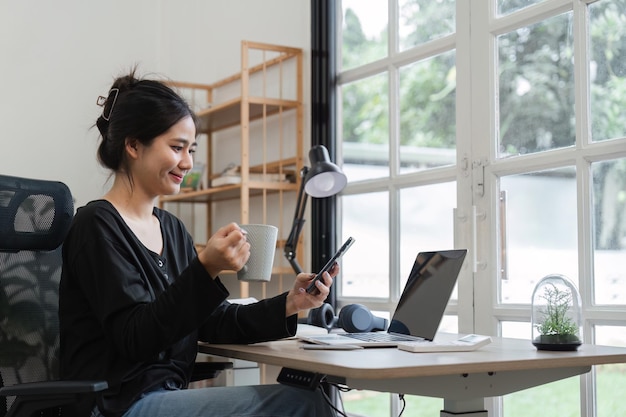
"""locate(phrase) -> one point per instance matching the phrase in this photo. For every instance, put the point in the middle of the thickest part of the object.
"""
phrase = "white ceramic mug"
(262, 239)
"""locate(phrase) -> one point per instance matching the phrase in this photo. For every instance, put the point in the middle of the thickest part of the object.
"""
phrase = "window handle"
(504, 268)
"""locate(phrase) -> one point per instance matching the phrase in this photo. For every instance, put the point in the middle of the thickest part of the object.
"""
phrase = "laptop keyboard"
(380, 337)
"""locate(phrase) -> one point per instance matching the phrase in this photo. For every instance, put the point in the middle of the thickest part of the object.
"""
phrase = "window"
(498, 126)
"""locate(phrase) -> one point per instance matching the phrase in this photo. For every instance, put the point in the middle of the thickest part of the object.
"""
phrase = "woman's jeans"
(244, 401)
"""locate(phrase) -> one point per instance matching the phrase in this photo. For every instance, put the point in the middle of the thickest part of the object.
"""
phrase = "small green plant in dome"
(555, 318)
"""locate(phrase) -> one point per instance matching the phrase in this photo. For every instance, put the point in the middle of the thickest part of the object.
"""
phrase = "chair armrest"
(208, 370)
(33, 397)
(54, 388)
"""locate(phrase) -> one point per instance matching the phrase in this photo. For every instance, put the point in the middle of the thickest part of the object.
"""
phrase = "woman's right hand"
(227, 249)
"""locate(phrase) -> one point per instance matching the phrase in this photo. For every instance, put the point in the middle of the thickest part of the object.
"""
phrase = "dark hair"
(140, 109)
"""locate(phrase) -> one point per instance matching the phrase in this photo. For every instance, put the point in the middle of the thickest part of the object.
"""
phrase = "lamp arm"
(298, 223)
(290, 249)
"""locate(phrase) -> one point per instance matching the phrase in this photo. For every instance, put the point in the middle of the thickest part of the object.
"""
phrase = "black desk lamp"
(323, 179)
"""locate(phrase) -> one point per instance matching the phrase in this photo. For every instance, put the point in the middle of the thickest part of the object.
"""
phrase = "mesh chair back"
(35, 216)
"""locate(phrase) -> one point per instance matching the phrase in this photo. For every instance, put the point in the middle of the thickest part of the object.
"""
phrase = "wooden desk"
(462, 379)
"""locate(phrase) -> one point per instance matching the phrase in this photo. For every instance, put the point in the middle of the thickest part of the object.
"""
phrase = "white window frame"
(477, 161)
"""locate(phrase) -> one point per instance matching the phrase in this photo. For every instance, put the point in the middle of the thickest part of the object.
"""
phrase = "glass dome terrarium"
(556, 314)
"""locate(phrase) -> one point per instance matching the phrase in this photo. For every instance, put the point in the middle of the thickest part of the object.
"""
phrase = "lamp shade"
(324, 178)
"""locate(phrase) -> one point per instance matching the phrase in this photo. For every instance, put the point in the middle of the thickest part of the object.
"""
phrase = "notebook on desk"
(420, 308)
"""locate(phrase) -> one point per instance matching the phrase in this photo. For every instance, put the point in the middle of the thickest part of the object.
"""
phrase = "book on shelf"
(193, 180)
(232, 175)
(230, 179)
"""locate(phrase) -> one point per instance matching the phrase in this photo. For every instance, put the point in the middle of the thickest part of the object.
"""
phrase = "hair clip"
(102, 101)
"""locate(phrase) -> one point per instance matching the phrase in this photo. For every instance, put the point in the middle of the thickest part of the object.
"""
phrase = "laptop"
(420, 308)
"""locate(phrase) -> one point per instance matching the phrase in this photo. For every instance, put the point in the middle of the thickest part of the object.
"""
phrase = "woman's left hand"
(298, 299)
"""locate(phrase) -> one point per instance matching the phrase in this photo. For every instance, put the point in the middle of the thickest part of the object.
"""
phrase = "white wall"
(56, 57)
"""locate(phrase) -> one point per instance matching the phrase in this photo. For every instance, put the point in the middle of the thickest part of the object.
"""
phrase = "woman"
(136, 297)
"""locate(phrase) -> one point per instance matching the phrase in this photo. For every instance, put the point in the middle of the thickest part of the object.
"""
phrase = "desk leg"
(464, 408)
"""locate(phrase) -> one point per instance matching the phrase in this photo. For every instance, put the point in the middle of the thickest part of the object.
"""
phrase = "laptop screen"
(427, 292)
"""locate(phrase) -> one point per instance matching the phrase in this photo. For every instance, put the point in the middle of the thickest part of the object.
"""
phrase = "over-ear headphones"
(353, 318)
(323, 316)
(356, 318)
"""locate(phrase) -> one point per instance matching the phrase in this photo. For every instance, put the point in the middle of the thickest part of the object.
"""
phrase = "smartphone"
(311, 289)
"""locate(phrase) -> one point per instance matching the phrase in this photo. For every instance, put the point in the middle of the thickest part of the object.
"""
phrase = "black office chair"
(35, 216)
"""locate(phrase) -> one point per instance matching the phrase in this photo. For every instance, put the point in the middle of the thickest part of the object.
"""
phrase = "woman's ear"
(132, 148)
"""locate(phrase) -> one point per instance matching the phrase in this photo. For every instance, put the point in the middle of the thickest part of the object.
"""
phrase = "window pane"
(424, 20)
(541, 226)
(510, 6)
(449, 324)
(426, 223)
(366, 403)
(609, 203)
(560, 398)
(607, 68)
(610, 336)
(536, 87)
(516, 330)
(377, 404)
(421, 406)
(610, 379)
(365, 118)
(428, 113)
(365, 267)
(364, 36)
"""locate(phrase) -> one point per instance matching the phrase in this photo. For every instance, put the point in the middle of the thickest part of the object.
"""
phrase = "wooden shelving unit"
(262, 107)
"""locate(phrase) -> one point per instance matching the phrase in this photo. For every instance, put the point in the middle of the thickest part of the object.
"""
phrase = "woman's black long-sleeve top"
(133, 317)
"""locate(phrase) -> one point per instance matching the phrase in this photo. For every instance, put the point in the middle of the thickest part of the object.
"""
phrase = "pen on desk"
(330, 347)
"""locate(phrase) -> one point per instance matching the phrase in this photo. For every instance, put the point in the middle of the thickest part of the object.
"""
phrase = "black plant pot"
(560, 342)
